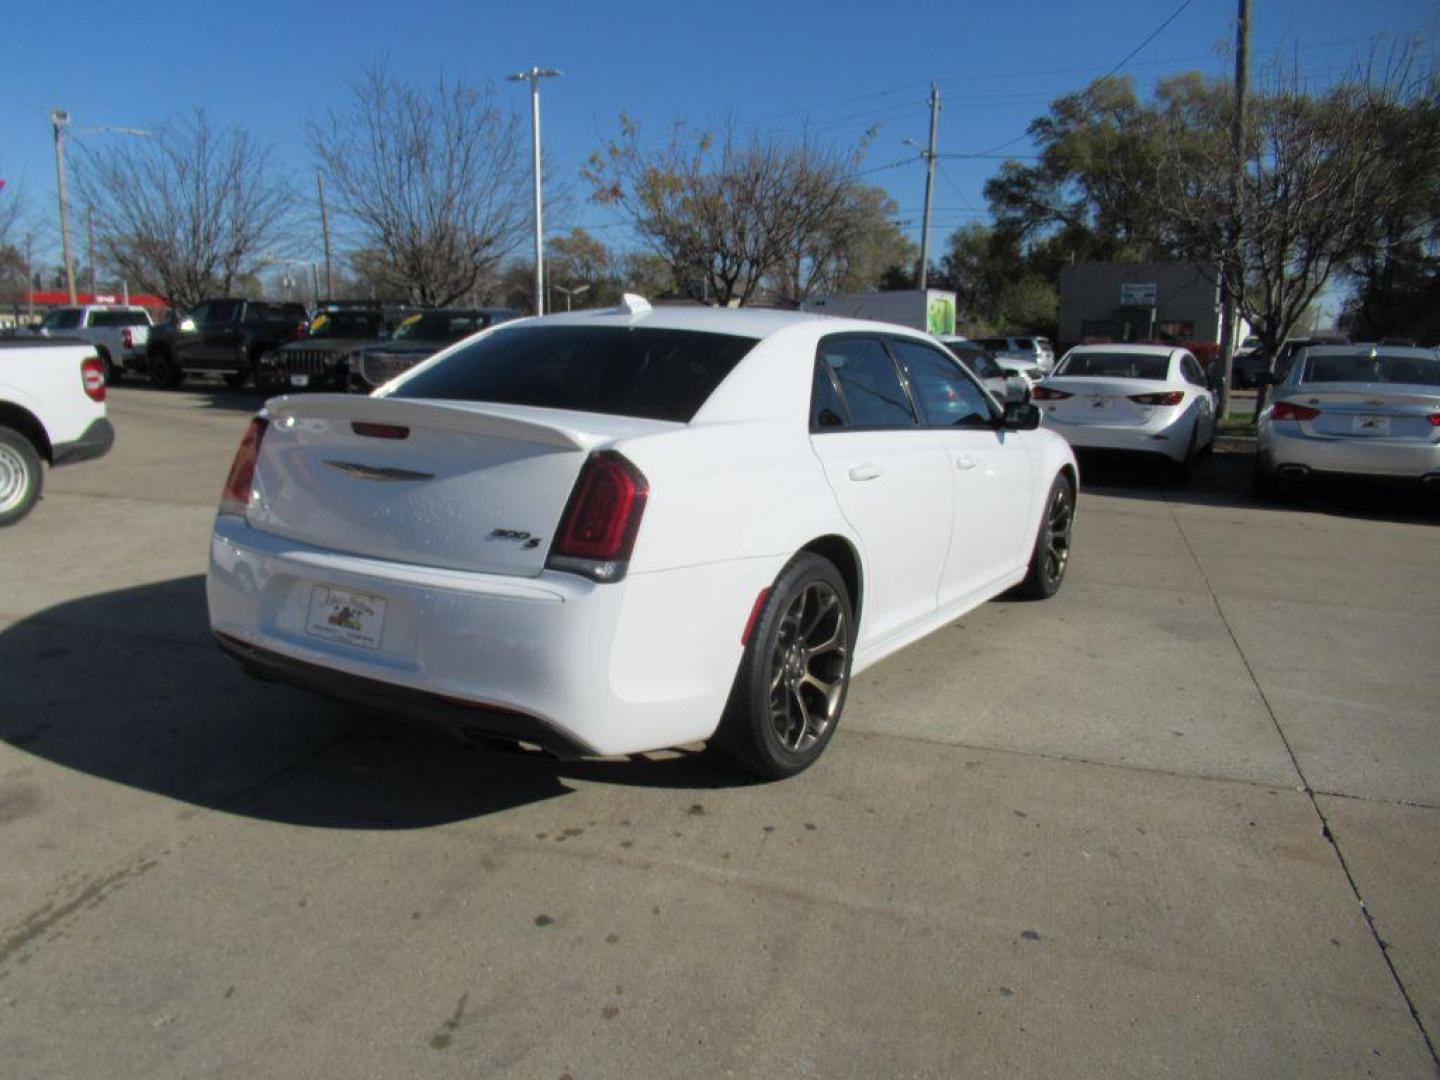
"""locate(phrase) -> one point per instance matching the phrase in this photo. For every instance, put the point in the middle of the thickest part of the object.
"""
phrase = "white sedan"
(1150, 399)
(611, 532)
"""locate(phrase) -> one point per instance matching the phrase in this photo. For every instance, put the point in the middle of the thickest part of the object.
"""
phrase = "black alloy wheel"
(794, 674)
(1051, 555)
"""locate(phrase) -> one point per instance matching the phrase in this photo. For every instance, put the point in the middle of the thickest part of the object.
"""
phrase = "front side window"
(221, 313)
(62, 319)
(649, 373)
(946, 395)
(869, 383)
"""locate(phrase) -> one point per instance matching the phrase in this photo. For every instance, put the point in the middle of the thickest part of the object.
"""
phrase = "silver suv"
(1030, 351)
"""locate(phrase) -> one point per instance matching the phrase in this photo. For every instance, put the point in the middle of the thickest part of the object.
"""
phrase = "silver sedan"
(1361, 410)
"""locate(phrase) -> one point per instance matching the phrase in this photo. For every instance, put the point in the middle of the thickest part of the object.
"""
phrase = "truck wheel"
(164, 371)
(236, 379)
(21, 476)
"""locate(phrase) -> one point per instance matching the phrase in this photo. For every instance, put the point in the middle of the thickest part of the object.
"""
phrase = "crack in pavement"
(1310, 794)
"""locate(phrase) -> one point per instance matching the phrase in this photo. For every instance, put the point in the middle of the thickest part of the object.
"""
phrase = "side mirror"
(1020, 416)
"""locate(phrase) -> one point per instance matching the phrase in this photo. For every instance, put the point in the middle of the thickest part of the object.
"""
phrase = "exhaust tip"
(1293, 472)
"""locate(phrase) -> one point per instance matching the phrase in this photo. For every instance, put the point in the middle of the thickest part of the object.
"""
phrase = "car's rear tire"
(22, 475)
(1050, 556)
(794, 674)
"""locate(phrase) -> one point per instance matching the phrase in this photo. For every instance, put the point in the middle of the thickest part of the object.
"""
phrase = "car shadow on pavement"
(128, 687)
(1226, 479)
(210, 390)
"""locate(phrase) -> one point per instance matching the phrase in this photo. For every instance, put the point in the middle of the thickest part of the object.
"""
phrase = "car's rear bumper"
(1277, 449)
(94, 442)
(556, 660)
(1168, 436)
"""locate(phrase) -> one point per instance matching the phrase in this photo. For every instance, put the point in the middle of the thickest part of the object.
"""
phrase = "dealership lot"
(1124, 832)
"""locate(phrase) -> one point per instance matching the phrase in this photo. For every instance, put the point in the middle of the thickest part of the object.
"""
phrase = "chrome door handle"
(965, 461)
(864, 472)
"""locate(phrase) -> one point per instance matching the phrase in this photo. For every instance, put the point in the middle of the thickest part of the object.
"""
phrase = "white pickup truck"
(52, 411)
(119, 333)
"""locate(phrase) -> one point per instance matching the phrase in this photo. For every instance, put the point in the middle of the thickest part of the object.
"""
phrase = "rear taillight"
(235, 497)
(92, 377)
(1168, 397)
(127, 337)
(1434, 419)
(597, 530)
(1045, 393)
(1288, 410)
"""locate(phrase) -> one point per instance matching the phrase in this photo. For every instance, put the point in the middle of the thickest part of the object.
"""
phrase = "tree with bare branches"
(731, 211)
(186, 212)
(431, 183)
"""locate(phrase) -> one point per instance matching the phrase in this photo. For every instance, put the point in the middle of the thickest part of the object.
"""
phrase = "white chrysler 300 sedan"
(1150, 399)
(622, 530)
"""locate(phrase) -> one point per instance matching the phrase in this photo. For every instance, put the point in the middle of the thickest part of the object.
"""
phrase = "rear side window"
(869, 383)
(1115, 366)
(1190, 368)
(648, 373)
(1024, 343)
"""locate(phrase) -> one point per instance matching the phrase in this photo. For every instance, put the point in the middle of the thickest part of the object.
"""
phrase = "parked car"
(980, 362)
(322, 360)
(52, 411)
(226, 336)
(1363, 410)
(1029, 352)
(417, 338)
(119, 333)
(1150, 399)
(1257, 361)
(609, 532)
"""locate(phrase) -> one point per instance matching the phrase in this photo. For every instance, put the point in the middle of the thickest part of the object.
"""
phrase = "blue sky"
(840, 66)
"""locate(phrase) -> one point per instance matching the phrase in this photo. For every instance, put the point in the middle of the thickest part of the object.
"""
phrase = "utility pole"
(1234, 274)
(29, 278)
(90, 247)
(59, 118)
(533, 77)
(325, 229)
(929, 185)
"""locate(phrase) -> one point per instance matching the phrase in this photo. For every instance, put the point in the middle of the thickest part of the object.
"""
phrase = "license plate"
(1099, 404)
(349, 617)
(299, 380)
(1372, 425)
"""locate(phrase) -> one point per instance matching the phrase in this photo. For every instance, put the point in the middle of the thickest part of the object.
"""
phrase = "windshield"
(1363, 368)
(1107, 365)
(346, 324)
(440, 326)
(654, 374)
(67, 318)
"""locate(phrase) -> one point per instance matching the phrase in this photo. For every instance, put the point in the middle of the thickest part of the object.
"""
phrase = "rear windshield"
(1415, 370)
(652, 374)
(1115, 366)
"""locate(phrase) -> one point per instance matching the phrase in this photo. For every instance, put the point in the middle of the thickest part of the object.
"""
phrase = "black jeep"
(419, 336)
(322, 360)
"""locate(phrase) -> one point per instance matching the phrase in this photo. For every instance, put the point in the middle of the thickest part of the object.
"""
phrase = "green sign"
(940, 315)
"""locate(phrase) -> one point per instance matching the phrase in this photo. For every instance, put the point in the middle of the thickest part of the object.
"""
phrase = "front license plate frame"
(346, 616)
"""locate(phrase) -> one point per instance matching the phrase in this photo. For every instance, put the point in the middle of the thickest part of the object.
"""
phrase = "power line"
(1125, 60)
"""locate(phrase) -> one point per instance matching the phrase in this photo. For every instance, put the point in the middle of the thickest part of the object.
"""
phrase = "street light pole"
(571, 293)
(533, 77)
(59, 120)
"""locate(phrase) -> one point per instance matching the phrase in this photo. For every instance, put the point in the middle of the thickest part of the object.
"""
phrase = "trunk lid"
(1102, 401)
(1370, 410)
(460, 485)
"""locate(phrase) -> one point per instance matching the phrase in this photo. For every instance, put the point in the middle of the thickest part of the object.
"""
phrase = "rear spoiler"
(462, 417)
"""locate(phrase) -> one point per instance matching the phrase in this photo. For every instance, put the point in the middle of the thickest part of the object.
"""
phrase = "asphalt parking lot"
(1183, 820)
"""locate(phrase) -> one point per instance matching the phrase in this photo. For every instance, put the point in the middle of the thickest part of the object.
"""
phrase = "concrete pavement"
(1085, 837)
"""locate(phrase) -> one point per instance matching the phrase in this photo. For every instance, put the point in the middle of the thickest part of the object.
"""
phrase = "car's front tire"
(1050, 557)
(165, 372)
(794, 674)
(21, 476)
